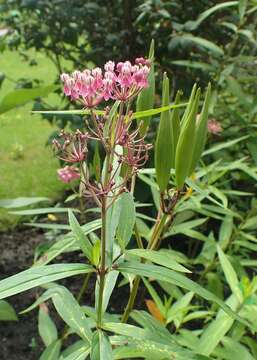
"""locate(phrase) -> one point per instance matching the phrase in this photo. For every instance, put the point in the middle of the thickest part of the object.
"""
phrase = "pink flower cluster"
(120, 81)
(68, 174)
(214, 126)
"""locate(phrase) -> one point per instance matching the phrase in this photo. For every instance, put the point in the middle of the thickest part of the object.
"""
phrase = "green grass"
(27, 166)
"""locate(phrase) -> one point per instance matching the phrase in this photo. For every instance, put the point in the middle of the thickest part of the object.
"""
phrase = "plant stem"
(131, 300)
(102, 265)
(83, 287)
(157, 233)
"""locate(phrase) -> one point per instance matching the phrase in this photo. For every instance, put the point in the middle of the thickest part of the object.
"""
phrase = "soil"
(20, 340)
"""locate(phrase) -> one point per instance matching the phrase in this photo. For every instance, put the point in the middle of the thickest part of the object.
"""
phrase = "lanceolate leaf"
(215, 49)
(170, 276)
(127, 220)
(22, 96)
(110, 282)
(52, 351)
(194, 64)
(77, 351)
(40, 275)
(164, 143)
(230, 274)
(217, 329)
(193, 25)
(21, 201)
(46, 326)
(159, 257)
(185, 145)
(7, 312)
(71, 312)
(101, 348)
(80, 236)
(68, 243)
(136, 115)
(145, 100)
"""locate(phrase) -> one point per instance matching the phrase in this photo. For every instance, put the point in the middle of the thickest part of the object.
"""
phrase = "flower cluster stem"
(102, 269)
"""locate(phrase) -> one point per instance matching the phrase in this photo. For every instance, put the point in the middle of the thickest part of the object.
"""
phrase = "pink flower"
(68, 174)
(214, 126)
(122, 81)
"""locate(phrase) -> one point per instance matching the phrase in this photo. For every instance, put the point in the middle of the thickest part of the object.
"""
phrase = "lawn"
(27, 166)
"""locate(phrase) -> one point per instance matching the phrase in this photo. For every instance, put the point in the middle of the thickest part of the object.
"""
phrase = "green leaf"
(201, 130)
(136, 115)
(230, 274)
(21, 201)
(77, 351)
(250, 223)
(157, 300)
(163, 258)
(185, 145)
(71, 312)
(22, 96)
(237, 91)
(96, 252)
(112, 221)
(242, 5)
(7, 312)
(41, 211)
(224, 145)
(80, 354)
(193, 25)
(80, 236)
(170, 276)
(145, 99)
(40, 275)
(127, 219)
(97, 163)
(67, 243)
(235, 350)
(110, 281)
(225, 231)
(46, 327)
(209, 45)
(145, 342)
(194, 64)
(215, 331)
(164, 151)
(178, 309)
(101, 348)
(152, 350)
(52, 351)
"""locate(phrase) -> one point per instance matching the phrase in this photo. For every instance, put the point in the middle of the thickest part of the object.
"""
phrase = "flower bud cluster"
(71, 147)
(68, 174)
(121, 81)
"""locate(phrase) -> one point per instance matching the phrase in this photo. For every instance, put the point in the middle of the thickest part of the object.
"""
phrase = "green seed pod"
(163, 145)
(175, 125)
(183, 158)
(201, 130)
(145, 99)
(189, 105)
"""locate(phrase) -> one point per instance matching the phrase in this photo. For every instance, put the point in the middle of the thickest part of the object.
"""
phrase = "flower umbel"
(121, 81)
